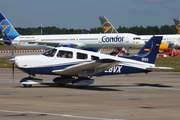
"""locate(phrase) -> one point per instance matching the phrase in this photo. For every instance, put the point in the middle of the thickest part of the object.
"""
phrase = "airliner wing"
(1, 40)
(54, 43)
(88, 68)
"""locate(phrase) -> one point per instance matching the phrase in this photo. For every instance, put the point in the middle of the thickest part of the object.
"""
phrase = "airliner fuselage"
(78, 40)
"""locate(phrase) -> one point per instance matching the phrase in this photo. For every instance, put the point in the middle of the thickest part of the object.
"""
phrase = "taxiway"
(121, 97)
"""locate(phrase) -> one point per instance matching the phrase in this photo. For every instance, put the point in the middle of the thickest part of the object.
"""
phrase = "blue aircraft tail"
(8, 31)
(149, 51)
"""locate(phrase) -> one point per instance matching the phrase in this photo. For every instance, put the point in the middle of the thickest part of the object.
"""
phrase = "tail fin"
(8, 31)
(107, 26)
(149, 51)
(177, 24)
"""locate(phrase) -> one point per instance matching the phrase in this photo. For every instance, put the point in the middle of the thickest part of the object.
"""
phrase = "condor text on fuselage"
(112, 39)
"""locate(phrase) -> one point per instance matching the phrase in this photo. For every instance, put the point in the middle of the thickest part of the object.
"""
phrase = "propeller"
(12, 50)
(13, 64)
(13, 72)
(11, 60)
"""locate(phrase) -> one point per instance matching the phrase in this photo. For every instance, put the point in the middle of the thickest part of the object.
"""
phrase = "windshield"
(50, 53)
(136, 38)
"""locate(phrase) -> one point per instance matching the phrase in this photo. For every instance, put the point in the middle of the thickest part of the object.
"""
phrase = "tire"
(61, 85)
(27, 85)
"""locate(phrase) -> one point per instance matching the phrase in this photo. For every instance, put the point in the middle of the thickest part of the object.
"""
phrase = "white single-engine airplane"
(11, 36)
(77, 66)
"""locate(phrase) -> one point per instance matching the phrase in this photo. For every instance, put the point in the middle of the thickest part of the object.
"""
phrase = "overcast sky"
(85, 13)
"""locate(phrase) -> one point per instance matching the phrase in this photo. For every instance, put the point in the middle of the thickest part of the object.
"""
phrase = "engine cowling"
(165, 46)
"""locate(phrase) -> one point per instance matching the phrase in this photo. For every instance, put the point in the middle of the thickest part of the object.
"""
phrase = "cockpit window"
(50, 53)
(65, 54)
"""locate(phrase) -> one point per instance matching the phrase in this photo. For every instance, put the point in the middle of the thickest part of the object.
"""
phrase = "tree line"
(139, 30)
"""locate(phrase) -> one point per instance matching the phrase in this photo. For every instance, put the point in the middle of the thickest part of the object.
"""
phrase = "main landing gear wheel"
(82, 82)
(63, 80)
(60, 85)
(27, 85)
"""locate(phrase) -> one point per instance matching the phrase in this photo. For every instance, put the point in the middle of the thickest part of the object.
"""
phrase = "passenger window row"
(68, 54)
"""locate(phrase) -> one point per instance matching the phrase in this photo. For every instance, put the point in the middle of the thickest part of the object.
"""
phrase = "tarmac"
(153, 96)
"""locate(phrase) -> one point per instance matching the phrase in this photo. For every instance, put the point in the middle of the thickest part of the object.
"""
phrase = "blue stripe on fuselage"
(118, 69)
(44, 70)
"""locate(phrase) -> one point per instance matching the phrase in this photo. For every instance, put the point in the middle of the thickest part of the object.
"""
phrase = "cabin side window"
(50, 53)
(94, 57)
(81, 56)
(65, 54)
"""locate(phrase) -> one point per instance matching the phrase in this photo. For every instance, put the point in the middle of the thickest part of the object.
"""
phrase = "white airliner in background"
(173, 39)
(167, 41)
(11, 36)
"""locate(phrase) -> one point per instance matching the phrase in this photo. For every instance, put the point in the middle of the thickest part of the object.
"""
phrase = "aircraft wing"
(88, 68)
(56, 43)
(1, 40)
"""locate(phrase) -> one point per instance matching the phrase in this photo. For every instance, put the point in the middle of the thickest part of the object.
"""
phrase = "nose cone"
(11, 60)
(141, 42)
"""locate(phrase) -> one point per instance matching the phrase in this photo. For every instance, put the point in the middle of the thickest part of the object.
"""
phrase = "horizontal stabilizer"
(164, 68)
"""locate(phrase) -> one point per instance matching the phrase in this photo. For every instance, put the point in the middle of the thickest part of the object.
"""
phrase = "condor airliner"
(11, 36)
(167, 41)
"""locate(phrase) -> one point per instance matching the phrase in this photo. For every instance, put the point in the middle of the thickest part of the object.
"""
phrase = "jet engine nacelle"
(76, 45)
(80, 45)
(165, 46)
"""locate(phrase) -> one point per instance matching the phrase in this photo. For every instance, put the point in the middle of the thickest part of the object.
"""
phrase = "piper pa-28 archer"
(11, 36)
(77, 66)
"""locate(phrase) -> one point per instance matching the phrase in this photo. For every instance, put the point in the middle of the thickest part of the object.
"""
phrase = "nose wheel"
(27, 85)
(29, 81)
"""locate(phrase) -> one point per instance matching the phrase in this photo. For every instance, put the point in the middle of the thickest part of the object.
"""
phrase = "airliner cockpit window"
(65, 54)
(136, 38)
(50, 53)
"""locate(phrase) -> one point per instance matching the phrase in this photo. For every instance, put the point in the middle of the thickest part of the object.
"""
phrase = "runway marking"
(53, 114)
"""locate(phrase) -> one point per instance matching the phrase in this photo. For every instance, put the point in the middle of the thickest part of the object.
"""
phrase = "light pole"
(41, 26)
